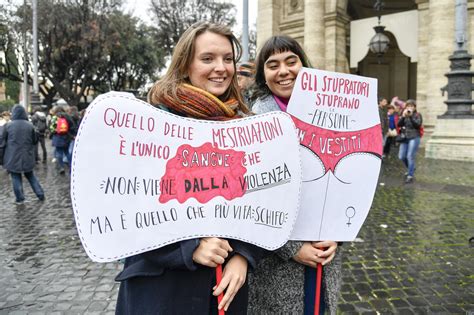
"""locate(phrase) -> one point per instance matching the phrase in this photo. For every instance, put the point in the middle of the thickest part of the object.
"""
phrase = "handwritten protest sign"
(143, 178)
(341, 145)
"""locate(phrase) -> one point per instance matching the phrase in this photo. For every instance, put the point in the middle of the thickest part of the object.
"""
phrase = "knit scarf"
(197, 103)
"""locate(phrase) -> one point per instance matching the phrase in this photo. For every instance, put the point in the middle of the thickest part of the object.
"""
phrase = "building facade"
(335, 34)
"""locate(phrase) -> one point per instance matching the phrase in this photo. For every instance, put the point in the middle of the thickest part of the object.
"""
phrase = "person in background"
(389, 137)
(383, 116)
(180, 278)
(60, 138)
(4, 118)
(73, 114)
(41, 126)
(284, 282)
(399, 104)
(17, 152)
(246, 79)
(410, 123)
(49, 119)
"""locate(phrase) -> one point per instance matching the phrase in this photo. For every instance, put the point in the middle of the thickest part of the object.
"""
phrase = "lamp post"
(453, 136)
(25, 63)
(35, 98)
(379, 43)
(245, 31)
(459, 85)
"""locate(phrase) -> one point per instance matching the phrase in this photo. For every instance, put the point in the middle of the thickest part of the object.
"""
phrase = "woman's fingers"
(234, 275)
(325, 250)
(324, 244)
(211, 251)
(231, 283)
(225, 245)
(329, 259)
(219, 246)
(222, 285)
(230, 293)
(308, 255)
(219, 260)
(220, 252)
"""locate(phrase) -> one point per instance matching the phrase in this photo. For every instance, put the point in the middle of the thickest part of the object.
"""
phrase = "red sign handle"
(319, 273)
(218, 280)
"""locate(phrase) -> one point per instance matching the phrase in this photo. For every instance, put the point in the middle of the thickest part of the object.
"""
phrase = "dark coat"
(167, 281)
(411, 125)
(18, 141)
(39, 122)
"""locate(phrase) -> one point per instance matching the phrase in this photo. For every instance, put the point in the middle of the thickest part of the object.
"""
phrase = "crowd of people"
(180, 277)
(402, 127)
(21, 136)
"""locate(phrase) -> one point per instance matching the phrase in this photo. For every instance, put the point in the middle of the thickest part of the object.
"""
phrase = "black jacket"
(411, 125)
(18, 142)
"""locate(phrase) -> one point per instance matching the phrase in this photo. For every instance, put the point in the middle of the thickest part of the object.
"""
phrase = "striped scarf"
(197, 103)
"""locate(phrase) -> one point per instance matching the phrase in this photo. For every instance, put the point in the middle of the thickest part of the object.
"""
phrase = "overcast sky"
(140, 8)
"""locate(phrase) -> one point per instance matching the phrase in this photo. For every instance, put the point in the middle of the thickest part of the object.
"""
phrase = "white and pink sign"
(338, 124)
(143, 178)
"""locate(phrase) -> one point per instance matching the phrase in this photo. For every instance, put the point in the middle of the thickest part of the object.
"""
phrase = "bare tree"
(84, 47)
(173, 17)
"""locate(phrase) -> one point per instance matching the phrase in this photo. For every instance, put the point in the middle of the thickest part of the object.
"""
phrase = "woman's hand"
(308, 255)
(212, 251)
(233, 278)
(326, 250)
(312, 253)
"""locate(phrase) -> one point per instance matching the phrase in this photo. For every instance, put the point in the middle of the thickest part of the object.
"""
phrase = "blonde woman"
(180, 278)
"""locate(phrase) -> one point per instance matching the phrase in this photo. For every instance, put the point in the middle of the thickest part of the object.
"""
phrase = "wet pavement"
(43, 268)
(411, 257)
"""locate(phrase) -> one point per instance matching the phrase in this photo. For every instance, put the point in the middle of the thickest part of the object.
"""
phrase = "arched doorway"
(395, 72)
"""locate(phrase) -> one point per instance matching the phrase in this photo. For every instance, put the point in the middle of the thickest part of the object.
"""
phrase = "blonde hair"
(183, 54)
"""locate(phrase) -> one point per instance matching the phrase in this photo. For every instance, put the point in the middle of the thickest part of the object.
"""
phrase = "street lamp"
(380, 42)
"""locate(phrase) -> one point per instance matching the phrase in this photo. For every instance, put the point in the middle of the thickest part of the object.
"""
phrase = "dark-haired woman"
(284, 282)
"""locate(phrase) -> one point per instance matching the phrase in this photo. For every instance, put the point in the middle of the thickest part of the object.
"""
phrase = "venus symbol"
(350, 213)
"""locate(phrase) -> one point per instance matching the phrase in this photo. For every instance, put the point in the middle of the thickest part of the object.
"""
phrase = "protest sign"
(338, 124)
(143, 178)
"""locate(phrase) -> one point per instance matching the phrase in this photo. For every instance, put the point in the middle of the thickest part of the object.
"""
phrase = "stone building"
(335, 34)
